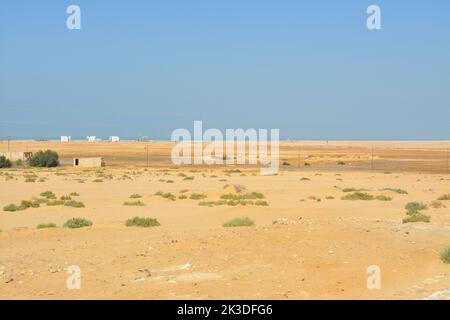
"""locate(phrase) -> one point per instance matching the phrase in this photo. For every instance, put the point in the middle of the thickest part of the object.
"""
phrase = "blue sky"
(310, 68)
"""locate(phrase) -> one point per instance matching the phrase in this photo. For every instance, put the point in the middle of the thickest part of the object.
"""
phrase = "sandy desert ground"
(320, 248)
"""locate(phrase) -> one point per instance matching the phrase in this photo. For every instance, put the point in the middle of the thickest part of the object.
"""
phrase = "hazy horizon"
(312, 70)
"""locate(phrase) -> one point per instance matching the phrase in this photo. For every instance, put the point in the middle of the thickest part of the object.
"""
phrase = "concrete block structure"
(88, 162)
(17, 155)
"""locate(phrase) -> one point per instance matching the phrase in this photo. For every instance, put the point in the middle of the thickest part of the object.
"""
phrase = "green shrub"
(142, 222)
(74, 204)
(65, 198)
(341, 163)
(184, 191)
(134, 203)
(350, 190)
(189, 178)
(197, 196)
(53, 203)
(445, 255)
(414, 207)
(251, 195)
(46, 225)
(46, 159)
(358, 196)
(77, 223)
(261, 203)
(5, 163)
(48, 195)
(416, 217)
(239, 222)
(182, 196)
(399, 191)
(383, 198)
(29, 204)
(74, 194)
(135, 196)
(11, 207)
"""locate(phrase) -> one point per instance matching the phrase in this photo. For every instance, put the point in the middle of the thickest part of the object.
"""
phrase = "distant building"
(114, 139)
(88, 162)
(91, 138)
(66, 138)
(17, 155)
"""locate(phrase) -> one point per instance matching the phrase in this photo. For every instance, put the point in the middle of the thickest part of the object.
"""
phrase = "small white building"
(66, 138)
(91, 138)
(114, 139)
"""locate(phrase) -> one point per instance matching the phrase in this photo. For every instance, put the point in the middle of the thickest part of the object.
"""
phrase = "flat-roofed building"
(17, 155)
(88, 162)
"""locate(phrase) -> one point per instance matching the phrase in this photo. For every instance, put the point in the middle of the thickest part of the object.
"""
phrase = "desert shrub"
(341, 163)
(239, 222)
(48, 195)
(11, 207)
(169, 181)
(30, 179)
(261, 203)
(285, 163)
(74, 204)
(74, 194)
(383, 198)
(46, 225)
(142, 222)
(416, 217)
(135, 196)
(445, 197)
(305, 179)
(29, 204)
(184, 191)
(445, 255)
(189, 178)
(182, 196)
(307, 164)
(65, 198)
(53, 203)
(168, 195)
(5, 163)
(329, 197)
(134, 203)
(358, 196)
(414, 207)
(399, 191)
(197, 196)
(41, 200)
(349, 190)
(245, 196)
(77, 223)
(97, 180)
(46, 159)
(159, 193)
